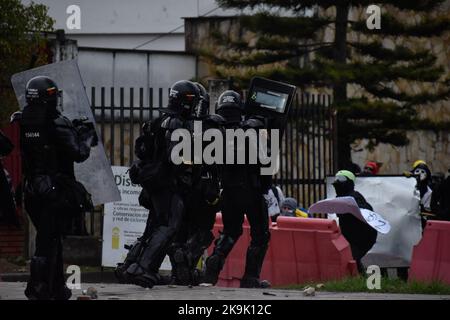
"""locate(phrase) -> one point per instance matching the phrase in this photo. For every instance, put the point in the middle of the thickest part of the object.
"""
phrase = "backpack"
(149, 170)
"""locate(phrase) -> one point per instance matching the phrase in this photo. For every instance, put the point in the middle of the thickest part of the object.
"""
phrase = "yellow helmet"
(419, 162)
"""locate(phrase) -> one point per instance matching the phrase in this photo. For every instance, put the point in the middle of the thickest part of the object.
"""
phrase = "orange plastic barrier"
(431, 256)
(300, 250)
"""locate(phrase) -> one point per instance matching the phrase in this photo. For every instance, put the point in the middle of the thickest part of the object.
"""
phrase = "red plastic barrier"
(300, 250)
(431, 256)
(12, 162)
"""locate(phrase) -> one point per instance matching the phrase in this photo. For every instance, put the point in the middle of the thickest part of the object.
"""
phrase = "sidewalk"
(14, 291)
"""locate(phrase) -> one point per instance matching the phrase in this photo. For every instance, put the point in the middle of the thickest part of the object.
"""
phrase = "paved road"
(14, 291)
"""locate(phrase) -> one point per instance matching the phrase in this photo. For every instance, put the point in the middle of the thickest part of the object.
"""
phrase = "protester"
(422, 173)
(370, 169)
(290, 208)
(274, 197)
(440, 200)
(360, 235)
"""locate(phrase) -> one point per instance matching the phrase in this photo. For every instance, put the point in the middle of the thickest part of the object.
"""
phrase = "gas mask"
(421, 173)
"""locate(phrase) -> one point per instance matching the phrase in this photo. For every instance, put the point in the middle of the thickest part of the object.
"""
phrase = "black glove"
(86, 130)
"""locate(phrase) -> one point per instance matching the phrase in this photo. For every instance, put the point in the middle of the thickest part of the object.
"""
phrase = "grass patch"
(358, 284)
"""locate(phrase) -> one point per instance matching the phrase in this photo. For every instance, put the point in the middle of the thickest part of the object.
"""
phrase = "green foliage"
(296, 27)
(22, 43)
(355, 56)
(387, 285)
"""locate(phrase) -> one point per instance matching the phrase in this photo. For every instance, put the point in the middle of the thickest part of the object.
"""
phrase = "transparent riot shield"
(95, 173)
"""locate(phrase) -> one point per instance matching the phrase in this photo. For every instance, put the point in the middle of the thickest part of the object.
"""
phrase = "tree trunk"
(340, 87)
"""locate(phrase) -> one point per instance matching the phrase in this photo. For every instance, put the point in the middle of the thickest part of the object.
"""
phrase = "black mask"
(343, 188)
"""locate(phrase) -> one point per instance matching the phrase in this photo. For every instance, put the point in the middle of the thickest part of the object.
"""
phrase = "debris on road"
(92, 292)
(310, 291)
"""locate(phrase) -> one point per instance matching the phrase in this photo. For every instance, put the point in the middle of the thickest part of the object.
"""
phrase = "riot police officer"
(243, 190)
(201, 200)
(163, 183)
(50, 144)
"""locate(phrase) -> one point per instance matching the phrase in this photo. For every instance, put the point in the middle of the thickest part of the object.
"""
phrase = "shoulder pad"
(62, 121)
(255, 123)
(215, 118)
(172, 123)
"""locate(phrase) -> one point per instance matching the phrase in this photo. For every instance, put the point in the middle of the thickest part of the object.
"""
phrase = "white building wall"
(127, 24)
(133, 69)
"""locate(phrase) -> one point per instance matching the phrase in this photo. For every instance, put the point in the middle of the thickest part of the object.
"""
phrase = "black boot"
(37, 287)
(253, 264)
(216, 261)
(60, 290)
(144, 272)
(196, 247)
(182, 267)
(141, 277)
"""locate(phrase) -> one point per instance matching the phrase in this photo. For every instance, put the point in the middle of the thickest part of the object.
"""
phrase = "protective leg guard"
(195, 248)
(37, 287)
(185, 258)
(143, 271)
(134, 251)
(175, 247)
(253, 264)
(182, 267)
(197, 244)
(215, 262)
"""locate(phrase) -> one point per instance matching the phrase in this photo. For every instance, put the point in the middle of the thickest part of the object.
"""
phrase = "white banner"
(348, 205)
(396, 199)
(123, 221)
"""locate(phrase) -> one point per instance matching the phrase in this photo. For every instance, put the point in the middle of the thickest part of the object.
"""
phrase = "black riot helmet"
(229, 105)
(183, 98)
(202, 108)
(42, 90)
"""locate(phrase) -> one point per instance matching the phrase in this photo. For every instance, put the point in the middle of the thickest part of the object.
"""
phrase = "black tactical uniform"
(50, 144)
(243, 190)
(201, 197)
(162, 183)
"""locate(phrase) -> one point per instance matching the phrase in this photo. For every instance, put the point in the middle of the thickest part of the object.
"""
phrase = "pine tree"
(355, 57)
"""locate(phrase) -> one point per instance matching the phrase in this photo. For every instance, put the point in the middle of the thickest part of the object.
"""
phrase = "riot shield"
(270, 99)
(95, 173)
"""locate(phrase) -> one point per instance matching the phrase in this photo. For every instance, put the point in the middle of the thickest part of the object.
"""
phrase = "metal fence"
(307, 148)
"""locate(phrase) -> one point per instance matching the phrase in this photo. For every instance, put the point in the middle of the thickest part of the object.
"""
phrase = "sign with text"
(396, 198)
(348, 205)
